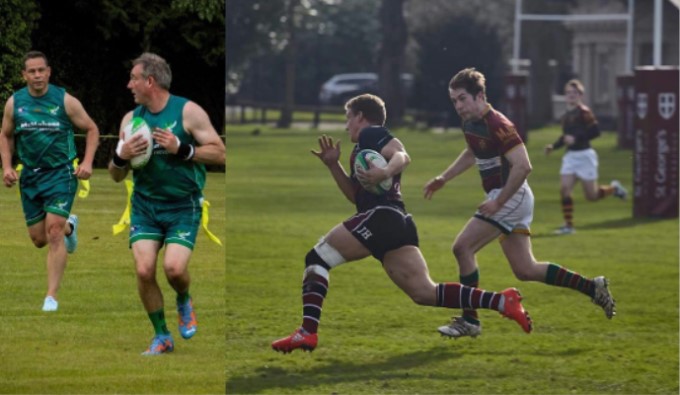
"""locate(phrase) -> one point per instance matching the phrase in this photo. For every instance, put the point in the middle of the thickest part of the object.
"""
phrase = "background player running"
(580, 162)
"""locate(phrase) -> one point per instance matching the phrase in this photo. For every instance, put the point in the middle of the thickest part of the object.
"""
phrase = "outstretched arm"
(329, 154)
(465, 160)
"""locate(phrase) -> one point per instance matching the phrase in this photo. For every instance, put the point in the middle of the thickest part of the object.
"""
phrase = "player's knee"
(174, 272)
(524, 273)
(591, 197)
(312, 258)
(460, 250)
(39, 242)
(324, 255)
(146, 273)
(55, 233)
(421, 298)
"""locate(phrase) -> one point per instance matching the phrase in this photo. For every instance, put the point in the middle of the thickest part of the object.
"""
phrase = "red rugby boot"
(298, 339)
(514, 310)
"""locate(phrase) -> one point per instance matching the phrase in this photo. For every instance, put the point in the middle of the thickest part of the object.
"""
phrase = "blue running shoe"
(187, 319)
(160, 344)
(71, 240)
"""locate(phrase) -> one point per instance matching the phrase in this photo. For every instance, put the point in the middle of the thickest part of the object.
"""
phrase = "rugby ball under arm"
(137, 125)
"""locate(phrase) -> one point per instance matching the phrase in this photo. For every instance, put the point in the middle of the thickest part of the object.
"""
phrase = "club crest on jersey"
(171, 126)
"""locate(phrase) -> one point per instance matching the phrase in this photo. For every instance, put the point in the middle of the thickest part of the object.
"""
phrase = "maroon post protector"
(625, 98)
(655, 162)
(516, 101)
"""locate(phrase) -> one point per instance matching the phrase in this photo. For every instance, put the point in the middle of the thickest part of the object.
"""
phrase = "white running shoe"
(50, 304)
(619, 191)
(603, 297)
(565, 230)
(459, 328)
(71, 241)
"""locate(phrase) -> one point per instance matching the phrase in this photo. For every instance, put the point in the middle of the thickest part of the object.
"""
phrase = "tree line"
(312, 40)
(90, 45)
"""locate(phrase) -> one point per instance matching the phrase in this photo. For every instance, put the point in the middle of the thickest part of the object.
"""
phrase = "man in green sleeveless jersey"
(38, 121)
(167, 197)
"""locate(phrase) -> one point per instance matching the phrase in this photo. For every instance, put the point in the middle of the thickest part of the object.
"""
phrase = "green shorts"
(173, 221)
(47, 191)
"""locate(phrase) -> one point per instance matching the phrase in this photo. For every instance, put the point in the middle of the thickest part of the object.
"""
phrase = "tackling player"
(167, 197)
(579, 163)
(382, 228)
(38, 122)
(494, 145)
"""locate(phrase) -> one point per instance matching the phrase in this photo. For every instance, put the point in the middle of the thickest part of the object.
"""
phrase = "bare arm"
(119, 173)
(210, 149)
(329, 154)
(9, 175)
(82, 121)
(464, 161)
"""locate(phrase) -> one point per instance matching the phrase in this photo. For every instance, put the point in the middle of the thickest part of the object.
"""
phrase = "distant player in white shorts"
(579, 163)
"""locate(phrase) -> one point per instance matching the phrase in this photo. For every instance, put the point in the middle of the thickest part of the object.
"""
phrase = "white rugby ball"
(137, 125)
(361, 162)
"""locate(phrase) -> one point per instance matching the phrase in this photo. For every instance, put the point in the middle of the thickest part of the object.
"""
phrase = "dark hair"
(576, 84)
(371, 107)
(471, 80)
(33, 55)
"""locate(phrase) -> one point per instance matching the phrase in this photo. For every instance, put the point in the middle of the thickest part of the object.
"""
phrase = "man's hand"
(328, 153)
(9, 177)
(433, 186)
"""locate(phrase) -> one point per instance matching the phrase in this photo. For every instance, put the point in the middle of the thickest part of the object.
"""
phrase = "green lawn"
(373, 339)
(92, 345)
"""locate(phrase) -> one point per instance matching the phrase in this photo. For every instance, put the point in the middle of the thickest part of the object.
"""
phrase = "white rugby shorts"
(582, 163)
(517, 213)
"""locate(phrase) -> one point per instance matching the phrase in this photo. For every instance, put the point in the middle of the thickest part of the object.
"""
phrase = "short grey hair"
(156, 66)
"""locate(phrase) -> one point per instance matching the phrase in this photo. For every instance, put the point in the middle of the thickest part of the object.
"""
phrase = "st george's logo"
(667, 104)
(641, 105)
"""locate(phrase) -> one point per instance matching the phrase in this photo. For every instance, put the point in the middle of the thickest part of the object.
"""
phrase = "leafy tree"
(96, 69)
(391, 58)
(446, 49)
(17, 20)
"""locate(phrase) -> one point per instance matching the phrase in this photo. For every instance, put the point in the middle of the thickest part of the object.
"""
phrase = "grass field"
(92, 345)
(373, 339)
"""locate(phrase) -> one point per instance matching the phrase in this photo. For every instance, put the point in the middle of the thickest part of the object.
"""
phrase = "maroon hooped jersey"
(581, 123)
(490, 138)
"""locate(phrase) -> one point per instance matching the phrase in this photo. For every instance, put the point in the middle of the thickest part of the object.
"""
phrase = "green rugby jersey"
(43, 131)
(166, 176)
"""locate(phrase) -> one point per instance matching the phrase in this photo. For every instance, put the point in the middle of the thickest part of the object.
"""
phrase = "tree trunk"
(286, 118)
(391, 59)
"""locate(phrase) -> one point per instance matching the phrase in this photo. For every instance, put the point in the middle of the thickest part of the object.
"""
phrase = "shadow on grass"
(610, 224)
(330, 371)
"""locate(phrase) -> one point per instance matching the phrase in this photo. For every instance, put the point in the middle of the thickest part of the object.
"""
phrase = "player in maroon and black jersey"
(381, 228)
(495, 147)
(579, 163)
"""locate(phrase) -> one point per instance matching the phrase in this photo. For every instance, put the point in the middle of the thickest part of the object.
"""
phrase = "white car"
(342, 87)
